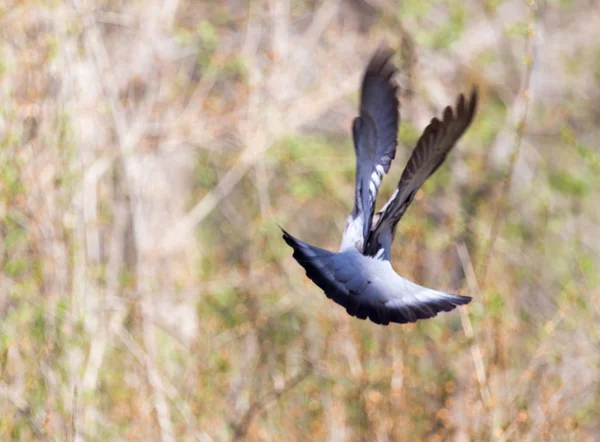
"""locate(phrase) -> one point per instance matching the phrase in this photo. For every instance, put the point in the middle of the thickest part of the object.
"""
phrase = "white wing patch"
(376, 178)
(375, 182)
(383, 209)
(372, 190)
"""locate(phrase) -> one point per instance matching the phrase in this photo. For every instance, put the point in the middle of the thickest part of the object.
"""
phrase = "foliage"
(148, 151)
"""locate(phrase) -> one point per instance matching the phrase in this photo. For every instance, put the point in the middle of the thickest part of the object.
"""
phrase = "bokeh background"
(149, 148)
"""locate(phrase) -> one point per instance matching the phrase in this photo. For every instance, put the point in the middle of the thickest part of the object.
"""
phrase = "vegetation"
(148, 151)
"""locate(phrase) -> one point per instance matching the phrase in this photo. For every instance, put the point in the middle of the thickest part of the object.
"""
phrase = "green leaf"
(568, 184)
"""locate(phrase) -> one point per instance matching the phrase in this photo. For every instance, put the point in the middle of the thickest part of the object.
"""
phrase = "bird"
(359, 276)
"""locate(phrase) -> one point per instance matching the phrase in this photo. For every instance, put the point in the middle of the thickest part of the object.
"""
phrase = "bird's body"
(360, 276)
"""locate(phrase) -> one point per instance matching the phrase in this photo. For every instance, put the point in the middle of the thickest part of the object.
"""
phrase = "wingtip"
(286, 236)
(462, 300)
(448, 114)
(380, 64)
(466, 108)
(384, 51)
(473, 99)
(282, 230)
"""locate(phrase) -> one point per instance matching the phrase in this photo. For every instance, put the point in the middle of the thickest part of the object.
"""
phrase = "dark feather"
(438, 138)
(375, 133)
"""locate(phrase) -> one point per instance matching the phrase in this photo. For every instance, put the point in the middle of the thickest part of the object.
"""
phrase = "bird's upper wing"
(375, 136)
(436, 141)
(369, 287)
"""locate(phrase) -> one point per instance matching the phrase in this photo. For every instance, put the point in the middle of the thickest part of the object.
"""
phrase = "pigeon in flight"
(360, 276)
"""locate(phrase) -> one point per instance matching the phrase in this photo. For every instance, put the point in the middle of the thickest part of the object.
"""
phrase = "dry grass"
(148, 149)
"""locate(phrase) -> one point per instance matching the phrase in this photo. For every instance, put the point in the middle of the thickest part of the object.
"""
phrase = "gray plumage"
(360, 277)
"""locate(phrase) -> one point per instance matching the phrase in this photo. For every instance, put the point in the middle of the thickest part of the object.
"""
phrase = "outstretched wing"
(419, 302)
(375, 133)
(319, 266)
(432, 148)
(368, 287)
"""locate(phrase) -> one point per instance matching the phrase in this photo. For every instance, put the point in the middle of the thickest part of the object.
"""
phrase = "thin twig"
(74, 434)
(241, 428)
(476, 354)
(524, 94)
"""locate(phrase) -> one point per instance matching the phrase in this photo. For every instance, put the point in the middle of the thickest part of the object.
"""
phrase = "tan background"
(148, 149)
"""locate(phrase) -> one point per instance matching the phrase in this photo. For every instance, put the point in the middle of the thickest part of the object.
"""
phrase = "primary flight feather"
(359, 276)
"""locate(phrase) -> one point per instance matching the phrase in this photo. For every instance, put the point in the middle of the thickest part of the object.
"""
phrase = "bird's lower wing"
(349, 283)
(320, 268)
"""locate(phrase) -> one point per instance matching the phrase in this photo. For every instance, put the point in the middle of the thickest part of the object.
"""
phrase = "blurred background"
(148, 149)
